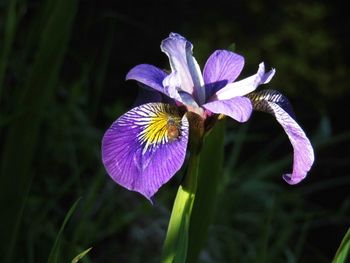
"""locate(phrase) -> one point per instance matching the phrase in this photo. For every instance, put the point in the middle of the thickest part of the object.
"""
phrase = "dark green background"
(62, 71)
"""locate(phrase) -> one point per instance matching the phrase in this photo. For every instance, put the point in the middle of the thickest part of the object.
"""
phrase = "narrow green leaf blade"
(209, 179)
(23, 131)
(343, 250)
(54, 254)
(81, 255)
(176, 241)
(10, 25)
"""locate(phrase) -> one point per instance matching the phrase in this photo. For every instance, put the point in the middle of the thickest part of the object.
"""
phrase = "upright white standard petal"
(245, 86)
(185, 72)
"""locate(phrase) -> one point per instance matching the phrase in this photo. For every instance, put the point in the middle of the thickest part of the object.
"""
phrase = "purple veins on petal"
(221, 68)
(145, 147)
(276, 104)
(148, 75)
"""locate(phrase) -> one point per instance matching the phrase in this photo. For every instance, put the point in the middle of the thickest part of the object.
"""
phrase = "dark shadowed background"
(62, 83)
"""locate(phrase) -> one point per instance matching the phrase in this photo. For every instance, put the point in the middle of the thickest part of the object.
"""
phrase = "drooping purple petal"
(245, 86)
(222, 67)
(238, 108)
(148, 75)
(145, 147)
(186, 74)
(276, 104)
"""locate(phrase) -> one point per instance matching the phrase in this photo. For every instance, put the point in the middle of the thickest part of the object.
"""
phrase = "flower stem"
(208, 184)
(176, 241)
(195, 203)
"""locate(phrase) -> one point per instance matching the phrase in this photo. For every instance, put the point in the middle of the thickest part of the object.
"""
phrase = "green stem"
(195, 202)
(177, 238)
(190, 180)
(176, 241)
(208, 184)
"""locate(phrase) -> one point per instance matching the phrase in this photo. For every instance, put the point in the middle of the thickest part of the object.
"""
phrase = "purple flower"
(146, 146)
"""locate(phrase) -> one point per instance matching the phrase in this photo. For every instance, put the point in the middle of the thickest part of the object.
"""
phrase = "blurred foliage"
(259, 218)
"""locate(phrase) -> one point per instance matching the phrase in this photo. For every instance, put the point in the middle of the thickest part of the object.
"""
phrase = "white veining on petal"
(245, 86)
(185, 72)
(153, 119)
(197, 77)
(126, 161)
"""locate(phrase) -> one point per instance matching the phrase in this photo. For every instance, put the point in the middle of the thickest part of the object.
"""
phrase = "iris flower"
(145, 147)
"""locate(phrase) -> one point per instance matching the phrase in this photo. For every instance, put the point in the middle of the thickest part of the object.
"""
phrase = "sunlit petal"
(222, 68)
(145, 147)
(186, 74)
(245, 86)
(276, 104)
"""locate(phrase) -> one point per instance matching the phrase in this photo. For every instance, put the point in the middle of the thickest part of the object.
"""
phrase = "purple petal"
(275, 103)
(178, 95)
(222, 66)
(186, 75)
(148, 75)
(145, 147)
(172, 85)
(238, 108)
(245, 86)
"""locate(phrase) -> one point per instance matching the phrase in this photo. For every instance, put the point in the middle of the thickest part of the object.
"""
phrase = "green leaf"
(343, 250)
(209, 179)
(176, 241)
(81, 255)
(232, 47)
(10, 26)
(54, 254)
(23, 132)
(195, 202)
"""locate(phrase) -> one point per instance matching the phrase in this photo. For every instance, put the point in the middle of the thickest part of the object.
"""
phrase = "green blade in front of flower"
(81, 255)
(209, 179)
(176, 242)
(54, 254)
(343, 250)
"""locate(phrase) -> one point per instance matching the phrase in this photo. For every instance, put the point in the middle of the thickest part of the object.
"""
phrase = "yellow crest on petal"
(161, 122)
